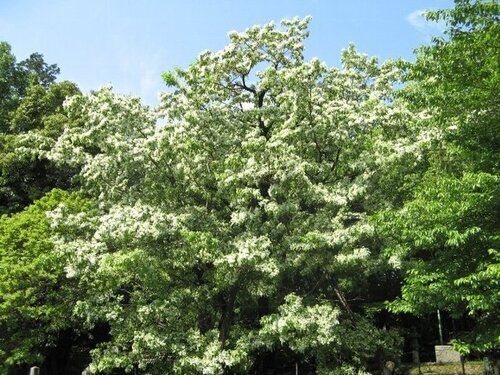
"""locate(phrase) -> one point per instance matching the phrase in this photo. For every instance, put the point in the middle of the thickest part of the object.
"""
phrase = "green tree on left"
(34, 295)
(34, 292)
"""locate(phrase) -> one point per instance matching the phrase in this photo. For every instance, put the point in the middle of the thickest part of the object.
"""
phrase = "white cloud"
(418, 21)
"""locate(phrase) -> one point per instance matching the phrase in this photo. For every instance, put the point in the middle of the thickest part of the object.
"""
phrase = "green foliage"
(448, 230)
(9, 84)
(17, 78)
(457, 80)
(31, 117)
(36, 72)
(35, 295)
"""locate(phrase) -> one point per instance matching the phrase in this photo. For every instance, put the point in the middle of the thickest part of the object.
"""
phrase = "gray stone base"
(446, 354)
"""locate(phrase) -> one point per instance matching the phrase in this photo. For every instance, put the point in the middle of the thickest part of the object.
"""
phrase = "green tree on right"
(446, 233)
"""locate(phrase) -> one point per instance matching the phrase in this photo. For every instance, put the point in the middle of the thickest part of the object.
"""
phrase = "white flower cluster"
(302, 327)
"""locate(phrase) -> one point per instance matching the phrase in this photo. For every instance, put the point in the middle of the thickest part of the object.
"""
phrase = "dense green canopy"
(35, 295)
(30, 104)
(449, 228)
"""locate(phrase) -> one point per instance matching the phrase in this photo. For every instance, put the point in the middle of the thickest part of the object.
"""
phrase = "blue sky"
(130, 43)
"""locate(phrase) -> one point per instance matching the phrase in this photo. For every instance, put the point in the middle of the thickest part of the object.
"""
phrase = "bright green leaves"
(451, 225)
(447, 229)
(457, 80)
(169, 79)
(35, 294)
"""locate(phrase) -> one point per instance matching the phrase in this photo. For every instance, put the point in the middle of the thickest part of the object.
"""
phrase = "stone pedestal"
(415, 350)
(446, 354)
(389, 368)
(491, 367)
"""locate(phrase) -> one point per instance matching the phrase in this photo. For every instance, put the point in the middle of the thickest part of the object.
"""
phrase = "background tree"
(30, 110)
(448, 228)
(35, 322)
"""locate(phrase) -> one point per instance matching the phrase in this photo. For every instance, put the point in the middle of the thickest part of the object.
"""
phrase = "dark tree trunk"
(227, 315)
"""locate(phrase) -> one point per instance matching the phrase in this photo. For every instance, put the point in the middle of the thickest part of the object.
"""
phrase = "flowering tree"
(238, 225)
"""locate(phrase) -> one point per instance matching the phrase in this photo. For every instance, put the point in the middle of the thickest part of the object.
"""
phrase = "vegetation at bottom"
(471, 368)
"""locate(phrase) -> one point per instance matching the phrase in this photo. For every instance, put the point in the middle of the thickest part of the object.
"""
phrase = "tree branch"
(345, 304)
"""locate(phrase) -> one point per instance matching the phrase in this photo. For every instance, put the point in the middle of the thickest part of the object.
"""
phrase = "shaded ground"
(429, 368)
